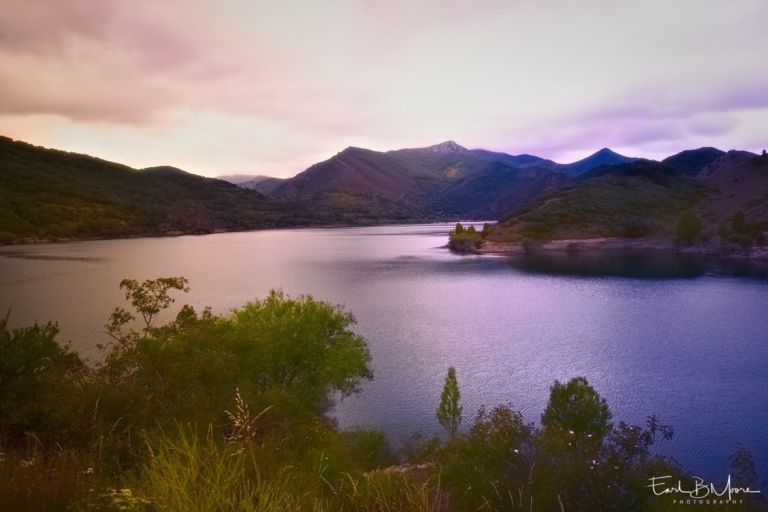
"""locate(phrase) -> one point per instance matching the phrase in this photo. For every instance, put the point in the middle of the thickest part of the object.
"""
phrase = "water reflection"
(641, 265)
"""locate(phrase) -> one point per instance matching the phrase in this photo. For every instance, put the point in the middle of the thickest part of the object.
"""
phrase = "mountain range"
(645, 198)
(258, 182)
(446, 179)
(49, 194)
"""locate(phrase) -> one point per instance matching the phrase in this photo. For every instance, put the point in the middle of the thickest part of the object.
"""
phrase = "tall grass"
(185, 473)
(34, 481)
(394, 490)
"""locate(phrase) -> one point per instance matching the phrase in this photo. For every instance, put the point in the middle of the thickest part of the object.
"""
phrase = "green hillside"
(47, 194)
(633, 200)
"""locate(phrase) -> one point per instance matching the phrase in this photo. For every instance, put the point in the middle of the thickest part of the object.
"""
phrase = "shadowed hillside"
(601, 158)
(629, 200)
(443, 181)
(717, 201)
(47, 194)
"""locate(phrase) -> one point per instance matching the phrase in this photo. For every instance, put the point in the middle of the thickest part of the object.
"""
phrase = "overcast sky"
(220, 87)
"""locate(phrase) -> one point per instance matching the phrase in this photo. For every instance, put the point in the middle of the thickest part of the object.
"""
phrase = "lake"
(683, 340)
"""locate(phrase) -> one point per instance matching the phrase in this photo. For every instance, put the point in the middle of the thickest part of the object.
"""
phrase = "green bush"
(39, 382)
(288, 355)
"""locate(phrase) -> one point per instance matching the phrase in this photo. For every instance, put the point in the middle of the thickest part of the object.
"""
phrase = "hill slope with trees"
(717, 201)
(47, 194)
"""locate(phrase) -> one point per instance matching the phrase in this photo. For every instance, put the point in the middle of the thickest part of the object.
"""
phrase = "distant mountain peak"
(448, 146)
(604, 156)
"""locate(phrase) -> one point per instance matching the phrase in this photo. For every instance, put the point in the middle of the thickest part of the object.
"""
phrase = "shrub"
(39, 379)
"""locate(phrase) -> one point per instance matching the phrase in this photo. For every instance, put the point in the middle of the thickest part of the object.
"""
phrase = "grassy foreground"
(227, 413)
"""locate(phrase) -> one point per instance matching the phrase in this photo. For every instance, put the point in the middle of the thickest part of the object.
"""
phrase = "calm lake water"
(665, 337)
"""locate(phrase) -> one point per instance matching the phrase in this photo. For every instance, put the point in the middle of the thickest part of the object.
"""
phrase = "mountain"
(237, 179)
(443, 180)
(496, 190)
(600, 158)
(739, 182)
(692, 161)
(264, 184)
(47, 194)
(639, 167)
(628, 200)
(645, 198)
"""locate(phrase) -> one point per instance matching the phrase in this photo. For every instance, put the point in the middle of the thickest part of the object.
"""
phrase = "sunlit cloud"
(272, 87)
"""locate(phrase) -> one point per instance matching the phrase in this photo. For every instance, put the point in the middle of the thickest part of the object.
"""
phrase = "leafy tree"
(688, 227)
(576, 409)
(289, 355)
(489, 467)
(464, 239)
(449, 410)
(148, 300)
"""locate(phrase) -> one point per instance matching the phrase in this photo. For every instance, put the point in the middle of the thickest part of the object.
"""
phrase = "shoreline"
(607, 245)
(28, 241)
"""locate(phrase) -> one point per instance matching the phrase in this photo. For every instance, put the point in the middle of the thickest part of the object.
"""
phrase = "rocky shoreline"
(592, 245)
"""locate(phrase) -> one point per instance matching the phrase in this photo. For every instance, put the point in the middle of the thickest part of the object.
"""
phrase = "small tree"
(688, 227)
(148, 300)
(449, 410)
(459, 228)
(576, 409)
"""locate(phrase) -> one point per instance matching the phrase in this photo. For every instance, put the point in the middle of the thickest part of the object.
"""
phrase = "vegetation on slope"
(226, 413)
(50, 195)
(445, 180)
(705, 198)
(629, 200)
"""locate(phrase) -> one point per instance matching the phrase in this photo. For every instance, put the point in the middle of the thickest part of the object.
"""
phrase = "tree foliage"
(449, 410)
(688, 227)
(576, 409)
(38, 376)
(465, 238)
(148, 299)
(291, 355)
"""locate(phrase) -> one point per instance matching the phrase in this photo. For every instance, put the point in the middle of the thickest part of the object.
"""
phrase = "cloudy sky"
(220, 87)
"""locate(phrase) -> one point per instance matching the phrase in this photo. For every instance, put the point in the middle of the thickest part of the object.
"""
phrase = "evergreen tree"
(449, 410)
